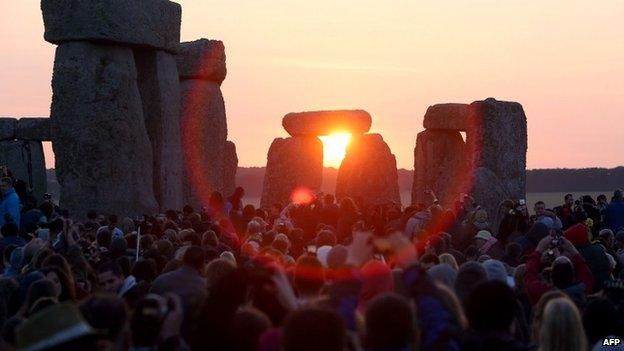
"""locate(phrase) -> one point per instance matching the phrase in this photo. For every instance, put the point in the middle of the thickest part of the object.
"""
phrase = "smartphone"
(522, 202)
(311, 249)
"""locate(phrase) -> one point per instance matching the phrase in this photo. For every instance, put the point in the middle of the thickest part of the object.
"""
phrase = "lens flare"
(301, 196)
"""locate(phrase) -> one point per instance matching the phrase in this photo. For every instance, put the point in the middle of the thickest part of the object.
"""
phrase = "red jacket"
(535, 287)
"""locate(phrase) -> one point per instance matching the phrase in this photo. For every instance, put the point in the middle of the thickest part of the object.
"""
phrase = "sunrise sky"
(562, 60)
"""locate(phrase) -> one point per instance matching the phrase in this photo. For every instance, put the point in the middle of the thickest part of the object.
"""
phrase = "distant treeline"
(538, 180)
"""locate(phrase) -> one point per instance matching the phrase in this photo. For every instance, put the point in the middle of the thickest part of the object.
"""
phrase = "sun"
(334, 147)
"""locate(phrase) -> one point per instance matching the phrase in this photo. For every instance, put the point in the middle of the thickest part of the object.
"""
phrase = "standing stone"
(315, 123)
(488, 191)
(368, 171)
(439, 165)
(497, 139)
(202, 59)
(139, 23)
(8, 128)
(446, 116)
(229, 169)
(204, 136)
(102, 150)
(25, 159)
(34, 129)
(292, 163)
(159, 86)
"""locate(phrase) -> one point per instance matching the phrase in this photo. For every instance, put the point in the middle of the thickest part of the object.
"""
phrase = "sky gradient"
(562, 60)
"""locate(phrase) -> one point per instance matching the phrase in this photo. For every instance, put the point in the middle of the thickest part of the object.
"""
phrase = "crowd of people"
(320, 275)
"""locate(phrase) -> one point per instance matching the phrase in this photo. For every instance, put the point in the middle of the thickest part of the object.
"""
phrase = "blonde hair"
(538, 312)
(453, 303)
(450, 260)
(561, 327)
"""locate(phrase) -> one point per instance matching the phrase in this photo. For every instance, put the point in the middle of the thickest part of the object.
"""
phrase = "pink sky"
(562, 60)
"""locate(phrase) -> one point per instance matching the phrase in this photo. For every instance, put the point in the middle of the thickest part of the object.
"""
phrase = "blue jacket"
(10, 204)
(614, 215)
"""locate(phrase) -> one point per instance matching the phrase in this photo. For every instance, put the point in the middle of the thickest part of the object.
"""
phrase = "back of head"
(469, 275)
(309, 276)
(561, 327)
(491, 307)
(105, 312)
(194, 257)
(390, 323)
(313, 329)
(247, 326)
(562, 274)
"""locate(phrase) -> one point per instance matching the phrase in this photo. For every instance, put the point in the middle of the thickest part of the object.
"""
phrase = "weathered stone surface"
(204, 136)
(292, 163)
(202, 59)
(102, 150)
(229, 169)
(159, 86)
(440, 164)
(488, 192)
(316, 123)
(20, 156)
(153, 23)
(446, 116)
(8, 128)
(34, 129)
(497, 139)
(368, 171)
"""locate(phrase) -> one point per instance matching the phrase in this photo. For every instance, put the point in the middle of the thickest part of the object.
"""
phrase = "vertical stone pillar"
(292, 163)
(368, 171)
(103, 154)
(207, 154)
(440, 165)
(25, 159)
(159, 86)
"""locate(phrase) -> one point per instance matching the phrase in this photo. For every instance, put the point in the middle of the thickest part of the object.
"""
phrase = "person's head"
(313, 329)
(540, 208)
(62, 283)
(602, 199)
(449, 259)
(308, 276)
(147, 319)
(6, 183)
(104, 238)
(482, 237)
(112, 220)
(538, 311)
(105, 313)
(217, 269)
(568, 200)
(246, 328)
(239, 192)
(561, 327)
(618, 195)
(390, 323)
(562, 272)
(491, 307)
(92, 215)
(281, 243)
(194, 257)
(607, 237)
(325, 238)
(145, 270)
(110, 277)
(469, 275)
(39, 289)
(429, 260)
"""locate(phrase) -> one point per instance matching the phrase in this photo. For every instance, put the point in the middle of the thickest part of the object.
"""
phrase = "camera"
(47, 196)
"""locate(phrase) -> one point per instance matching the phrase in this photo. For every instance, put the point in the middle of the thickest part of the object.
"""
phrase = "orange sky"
(563, 60)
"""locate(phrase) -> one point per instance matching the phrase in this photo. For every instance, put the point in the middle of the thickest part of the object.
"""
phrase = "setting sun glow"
(334, 147)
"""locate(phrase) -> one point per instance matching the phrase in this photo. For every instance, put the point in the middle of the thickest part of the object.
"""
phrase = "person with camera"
(557, 264)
